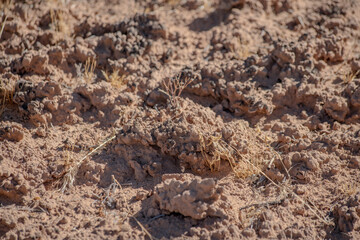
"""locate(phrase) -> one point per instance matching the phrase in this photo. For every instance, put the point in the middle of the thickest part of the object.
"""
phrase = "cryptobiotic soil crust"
(180, 119)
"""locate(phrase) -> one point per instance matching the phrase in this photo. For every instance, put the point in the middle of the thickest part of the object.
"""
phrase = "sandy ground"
(180, 119)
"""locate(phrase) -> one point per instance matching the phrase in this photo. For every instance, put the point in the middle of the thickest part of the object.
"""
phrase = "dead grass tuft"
(114, 78)
(70, 174)
(255, 149)
(348, 189)
(214, 149)
(287, 191)
(89, 69)
(5, 5)
(349, 77)
(173, 87)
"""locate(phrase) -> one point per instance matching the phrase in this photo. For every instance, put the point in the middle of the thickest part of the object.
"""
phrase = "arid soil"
(180, 119)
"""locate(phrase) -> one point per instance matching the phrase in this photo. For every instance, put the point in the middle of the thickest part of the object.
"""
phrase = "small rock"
(311, 163)
(141, 195)
(275, 175)
(355, 162)
(40, 132)
(12, 133)
(300, 190)
(248, 232)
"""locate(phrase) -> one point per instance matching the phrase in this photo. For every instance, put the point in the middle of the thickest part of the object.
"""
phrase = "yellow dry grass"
(89, 69)
(214, 149)
(114, 78)
(349, 77)
(5, 5)
(258, 151)
(3, 26)
(260, 155)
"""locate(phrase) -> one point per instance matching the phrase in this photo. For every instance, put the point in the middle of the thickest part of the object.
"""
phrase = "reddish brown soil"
(274, 84)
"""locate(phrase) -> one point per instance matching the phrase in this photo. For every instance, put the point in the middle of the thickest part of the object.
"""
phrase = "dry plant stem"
(316, 212)
(3, 26)
(69, 176)
(350, 77)
(276, 153)
(54, 20)
(219, 150)
(224, 151)
(114, 78)
(279, 201)
(173, 87)
(90, 65)
(128, 209)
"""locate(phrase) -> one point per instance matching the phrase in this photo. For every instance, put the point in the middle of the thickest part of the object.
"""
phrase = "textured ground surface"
(273, 86)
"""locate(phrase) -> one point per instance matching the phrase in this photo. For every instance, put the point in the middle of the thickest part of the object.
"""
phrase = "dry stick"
(317, 214)
(70, 175)
(263, 203)
(3, 26)
(276, 153)
(128, 209)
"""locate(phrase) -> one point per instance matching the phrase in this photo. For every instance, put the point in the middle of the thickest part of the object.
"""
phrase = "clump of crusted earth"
(190, 196)
(191, 134)
(347, 214)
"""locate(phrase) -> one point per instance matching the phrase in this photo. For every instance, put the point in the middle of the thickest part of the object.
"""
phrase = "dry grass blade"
(70, 174)
(240, 50)
(3, 26)
(313, 209)
(257, 205)
(129, 211)
(266, 141)
(114, 78)
(90, 66)
(214, 149)
(349, 77)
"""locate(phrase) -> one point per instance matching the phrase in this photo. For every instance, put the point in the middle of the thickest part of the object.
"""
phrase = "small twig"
(279, 201)
(313, 209)
(70, 174)
(3, 26)
(156, 217)
(276, 153)
(173, 87)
